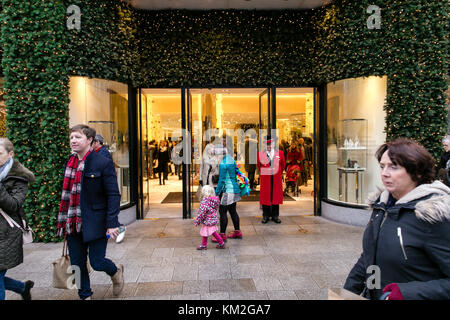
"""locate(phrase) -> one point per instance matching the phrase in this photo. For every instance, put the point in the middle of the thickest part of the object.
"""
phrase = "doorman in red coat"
(271, 164)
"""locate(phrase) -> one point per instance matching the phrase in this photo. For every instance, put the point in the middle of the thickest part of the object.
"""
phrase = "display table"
(345, 172)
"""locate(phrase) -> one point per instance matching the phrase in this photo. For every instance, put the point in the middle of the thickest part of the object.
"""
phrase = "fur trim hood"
(435, 208)
(19, 170)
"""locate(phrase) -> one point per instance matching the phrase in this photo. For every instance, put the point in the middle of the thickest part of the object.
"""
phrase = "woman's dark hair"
(86, 130)
(411, 155)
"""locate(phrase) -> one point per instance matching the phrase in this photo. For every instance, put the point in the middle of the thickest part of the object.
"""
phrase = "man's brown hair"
(86, 130)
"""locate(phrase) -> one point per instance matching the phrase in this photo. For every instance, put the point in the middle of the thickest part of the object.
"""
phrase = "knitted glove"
(395, 292)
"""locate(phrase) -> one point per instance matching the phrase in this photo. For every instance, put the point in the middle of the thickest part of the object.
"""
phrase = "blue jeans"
(9, 284)
(78, 252)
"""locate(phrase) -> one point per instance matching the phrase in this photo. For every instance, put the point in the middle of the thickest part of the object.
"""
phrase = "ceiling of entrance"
(227, 4)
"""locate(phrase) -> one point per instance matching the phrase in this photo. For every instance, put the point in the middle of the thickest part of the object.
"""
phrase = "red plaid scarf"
(69, 217)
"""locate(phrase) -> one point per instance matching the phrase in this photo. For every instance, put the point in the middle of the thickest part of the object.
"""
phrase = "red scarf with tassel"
(69, 217)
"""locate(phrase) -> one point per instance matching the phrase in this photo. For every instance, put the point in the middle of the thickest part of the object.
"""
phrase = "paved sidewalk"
(298, 259)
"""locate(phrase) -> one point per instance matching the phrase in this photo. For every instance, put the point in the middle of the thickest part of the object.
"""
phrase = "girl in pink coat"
(207, 217)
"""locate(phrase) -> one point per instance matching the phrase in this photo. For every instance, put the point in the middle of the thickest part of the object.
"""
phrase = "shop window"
(103, 105)
(355, 130)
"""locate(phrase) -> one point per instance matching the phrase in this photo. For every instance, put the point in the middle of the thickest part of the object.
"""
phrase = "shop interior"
(215, 112)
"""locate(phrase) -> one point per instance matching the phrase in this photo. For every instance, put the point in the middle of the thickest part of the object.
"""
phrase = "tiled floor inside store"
(298, 259)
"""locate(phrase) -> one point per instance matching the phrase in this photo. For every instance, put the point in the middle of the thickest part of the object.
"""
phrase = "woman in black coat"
(406, 243)
(14, 179)
(163, 161)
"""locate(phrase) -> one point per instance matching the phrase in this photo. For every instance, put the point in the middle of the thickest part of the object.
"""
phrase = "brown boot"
(117, 280)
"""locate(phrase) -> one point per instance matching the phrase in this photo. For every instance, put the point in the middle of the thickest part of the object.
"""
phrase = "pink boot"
(237, 234)
(222, 235)
(221, 246)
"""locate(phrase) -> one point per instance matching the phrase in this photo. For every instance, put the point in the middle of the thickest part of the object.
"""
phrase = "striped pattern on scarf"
(69, 217)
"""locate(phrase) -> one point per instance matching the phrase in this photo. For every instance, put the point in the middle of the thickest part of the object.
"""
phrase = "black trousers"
(272, 211)
(251, 178)
(224, 218)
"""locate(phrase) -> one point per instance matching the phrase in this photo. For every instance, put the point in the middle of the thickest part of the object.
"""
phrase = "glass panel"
(161, 132)
(355, 129)
(264, 111)
(147, 153)
(295, 127)
(317, 126)
(214, 112)
(103, 105)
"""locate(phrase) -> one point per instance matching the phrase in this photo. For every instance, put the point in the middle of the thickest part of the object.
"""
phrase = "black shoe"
(265, 220)
(26, 294)
(276, 220)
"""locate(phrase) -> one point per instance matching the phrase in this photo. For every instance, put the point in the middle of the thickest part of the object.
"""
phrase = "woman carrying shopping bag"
(229, 192)
(14, 179)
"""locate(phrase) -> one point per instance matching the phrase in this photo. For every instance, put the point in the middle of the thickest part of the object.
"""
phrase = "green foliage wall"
(36, 97)
(177, 48)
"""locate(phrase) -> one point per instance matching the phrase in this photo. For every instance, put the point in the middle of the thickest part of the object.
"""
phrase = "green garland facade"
(176, 48)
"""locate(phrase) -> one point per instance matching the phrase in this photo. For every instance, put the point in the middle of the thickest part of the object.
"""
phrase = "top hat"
(268, 139)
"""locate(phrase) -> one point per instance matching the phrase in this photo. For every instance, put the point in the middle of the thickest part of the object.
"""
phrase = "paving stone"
(282, 295)
(276, 271)
(156, 274)
(185, 297)
(245, 250)
(163, 252)
(215, 296)
(329, 280)
(166, 297)
(298, 283)
(261, 259)
(312, 294)
(185, 272)
(297, 269)
(214, 272)
(197, 286)
(242, 271)
(265, 284)
(159, 288)
(248, 295)
(232, 285)
(129, 290)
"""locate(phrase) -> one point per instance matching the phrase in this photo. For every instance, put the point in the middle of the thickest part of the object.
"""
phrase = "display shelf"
(352, 158)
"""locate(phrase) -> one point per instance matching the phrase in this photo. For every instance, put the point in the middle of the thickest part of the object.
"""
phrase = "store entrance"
(170, 118)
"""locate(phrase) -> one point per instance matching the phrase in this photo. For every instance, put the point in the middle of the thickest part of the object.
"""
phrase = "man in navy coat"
(87, 217)
(98, 147)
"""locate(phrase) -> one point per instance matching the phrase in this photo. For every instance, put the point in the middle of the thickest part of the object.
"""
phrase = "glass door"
(316, 151)
(264, 114)
(144, 155)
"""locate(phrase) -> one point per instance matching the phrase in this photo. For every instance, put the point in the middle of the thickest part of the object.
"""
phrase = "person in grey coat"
(406, 244)
(14, 180)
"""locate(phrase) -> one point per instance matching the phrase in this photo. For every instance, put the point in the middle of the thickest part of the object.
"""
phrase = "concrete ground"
(298, 259)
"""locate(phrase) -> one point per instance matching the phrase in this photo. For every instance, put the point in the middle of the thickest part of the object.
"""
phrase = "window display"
(103, 105)
(355, 129)
(352, 158)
